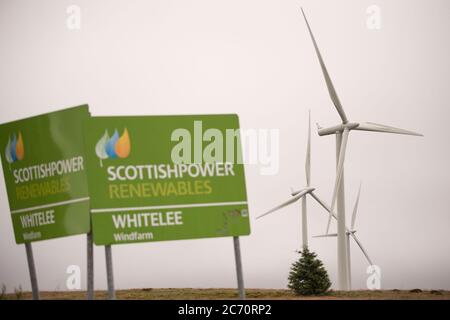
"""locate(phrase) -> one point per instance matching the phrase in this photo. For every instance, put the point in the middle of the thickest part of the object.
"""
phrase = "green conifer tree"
(308, 276)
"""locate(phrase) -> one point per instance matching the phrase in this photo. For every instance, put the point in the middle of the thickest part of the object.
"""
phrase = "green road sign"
(157, 178)
(45, 174)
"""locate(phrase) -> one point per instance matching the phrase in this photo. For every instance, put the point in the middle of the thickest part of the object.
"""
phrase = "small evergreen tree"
(308, 276)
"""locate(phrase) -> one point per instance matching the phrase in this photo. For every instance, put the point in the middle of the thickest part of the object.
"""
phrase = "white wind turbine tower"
(350, 232)
(342, 131)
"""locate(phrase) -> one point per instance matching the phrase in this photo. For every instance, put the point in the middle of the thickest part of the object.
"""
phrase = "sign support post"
(90, 266)
(240, 277)
(32, 269)
(109, 273)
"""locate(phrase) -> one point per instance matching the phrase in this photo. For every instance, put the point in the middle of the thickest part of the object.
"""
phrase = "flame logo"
(15, 150)
(113, 147)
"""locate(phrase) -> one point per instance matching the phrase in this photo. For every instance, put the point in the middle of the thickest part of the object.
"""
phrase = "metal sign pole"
(90, 266)
(240, 277)
(32, 269)
(109, 273)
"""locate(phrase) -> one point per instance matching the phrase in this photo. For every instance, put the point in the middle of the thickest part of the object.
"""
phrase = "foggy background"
(254, 58)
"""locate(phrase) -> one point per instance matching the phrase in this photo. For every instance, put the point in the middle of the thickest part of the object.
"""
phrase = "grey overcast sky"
(254, 58)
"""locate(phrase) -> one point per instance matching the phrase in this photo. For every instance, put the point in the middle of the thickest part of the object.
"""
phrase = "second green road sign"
(157, 178)
(45, 174)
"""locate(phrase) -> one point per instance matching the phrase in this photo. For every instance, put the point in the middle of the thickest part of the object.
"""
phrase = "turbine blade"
(322, 203)
(340, 168)
(284, 204)
(376, 127)
(362, 248)
(308, 154)
(355, 208)
(326, 235)
(325, 206)
(333, 95)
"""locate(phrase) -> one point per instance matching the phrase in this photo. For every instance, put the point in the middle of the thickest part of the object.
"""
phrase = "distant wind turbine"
(350, 232)
(301, 194)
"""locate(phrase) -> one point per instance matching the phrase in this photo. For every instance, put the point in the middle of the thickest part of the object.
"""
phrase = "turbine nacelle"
(331, 235)
(338, 128)
(307, 189)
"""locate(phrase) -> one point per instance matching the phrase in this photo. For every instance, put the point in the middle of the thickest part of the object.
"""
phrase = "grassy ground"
(188, 293)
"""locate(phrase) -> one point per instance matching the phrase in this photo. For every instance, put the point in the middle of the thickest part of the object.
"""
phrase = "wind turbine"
(342, 132)
(350, 232)
(301, 194)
